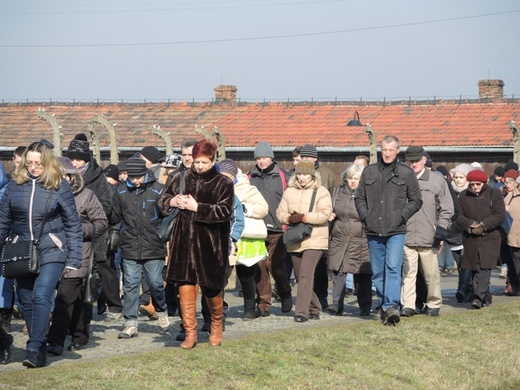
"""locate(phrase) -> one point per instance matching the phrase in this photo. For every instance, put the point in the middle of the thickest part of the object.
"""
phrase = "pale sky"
(133, 50)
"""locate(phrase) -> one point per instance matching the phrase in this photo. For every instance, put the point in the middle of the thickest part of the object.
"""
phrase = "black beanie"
(79, 148)
(112, 171)
(151, 153)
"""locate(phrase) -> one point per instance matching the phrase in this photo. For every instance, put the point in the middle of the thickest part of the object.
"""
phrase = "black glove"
(441, 234)
(478, 230)
(296, 217)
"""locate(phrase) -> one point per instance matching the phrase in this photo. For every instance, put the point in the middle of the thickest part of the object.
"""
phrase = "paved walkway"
(104, 342)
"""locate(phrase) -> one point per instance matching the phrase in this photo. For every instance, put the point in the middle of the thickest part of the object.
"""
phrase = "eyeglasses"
(33, 164)
(476, 184)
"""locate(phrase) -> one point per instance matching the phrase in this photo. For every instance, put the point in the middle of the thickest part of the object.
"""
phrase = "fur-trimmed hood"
(78, 184)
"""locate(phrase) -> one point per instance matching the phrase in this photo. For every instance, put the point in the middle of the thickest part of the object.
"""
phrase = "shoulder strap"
(282, 175)
(313, 199)
(91, 258)
(181, 184)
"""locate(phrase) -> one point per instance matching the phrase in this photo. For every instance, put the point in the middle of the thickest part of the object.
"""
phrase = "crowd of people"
(387, 229)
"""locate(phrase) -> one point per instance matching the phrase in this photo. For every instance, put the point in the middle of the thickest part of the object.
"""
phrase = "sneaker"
(113, 317)
(164, 322)
(503, 273)
(128, 333)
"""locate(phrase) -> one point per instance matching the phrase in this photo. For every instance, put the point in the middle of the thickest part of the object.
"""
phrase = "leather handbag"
(90, 283)
(165, 227)
(299, 231)
(254, 228)
(20, 258)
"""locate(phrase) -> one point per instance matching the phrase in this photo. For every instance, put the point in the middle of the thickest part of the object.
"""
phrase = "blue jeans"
(6, 293)
(386, 259)
(36, 295)
(132, 280)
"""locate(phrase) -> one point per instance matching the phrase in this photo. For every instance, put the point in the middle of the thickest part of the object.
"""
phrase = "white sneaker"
(503, 273)
(128, 333)
(164, 321)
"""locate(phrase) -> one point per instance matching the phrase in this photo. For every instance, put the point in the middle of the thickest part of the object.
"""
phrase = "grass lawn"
(471, 350)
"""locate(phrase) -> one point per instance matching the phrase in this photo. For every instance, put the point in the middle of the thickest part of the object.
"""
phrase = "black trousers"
(68, 315)
(110, 294)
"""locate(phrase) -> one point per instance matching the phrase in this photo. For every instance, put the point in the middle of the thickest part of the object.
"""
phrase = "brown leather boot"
(216, 307)
(149, 310)
(188, 302)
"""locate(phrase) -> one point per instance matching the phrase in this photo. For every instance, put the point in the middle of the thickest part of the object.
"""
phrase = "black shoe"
(76, 346)
(459, 295)
(55, 349)
(101, 309)
(364, 312)
(181, 336)
(248, 316)
(287, 304)
(42, 355)
(332, 310)
(6, 340)
(205, 327)
(391, 316)
(314, 316)
(260, 313)
(300, 319)
(324, 303)
(476, 304)
(432, 312)
(31, 359)
(407, 312)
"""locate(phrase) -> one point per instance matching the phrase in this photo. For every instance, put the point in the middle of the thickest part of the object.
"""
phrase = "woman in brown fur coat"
(200, 238)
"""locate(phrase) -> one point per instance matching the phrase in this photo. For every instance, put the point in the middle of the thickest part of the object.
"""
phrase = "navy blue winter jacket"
(21, 214)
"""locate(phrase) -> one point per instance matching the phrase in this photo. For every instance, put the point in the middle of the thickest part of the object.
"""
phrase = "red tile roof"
(439, 124)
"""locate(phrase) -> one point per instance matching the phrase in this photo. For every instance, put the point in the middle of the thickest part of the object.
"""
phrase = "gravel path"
(104, 342)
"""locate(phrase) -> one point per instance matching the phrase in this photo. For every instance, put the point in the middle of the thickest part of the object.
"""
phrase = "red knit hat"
(512, 174)
(477, 175)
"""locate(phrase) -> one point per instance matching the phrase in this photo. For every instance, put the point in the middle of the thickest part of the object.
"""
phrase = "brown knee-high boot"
(216, 307)
(188, 301)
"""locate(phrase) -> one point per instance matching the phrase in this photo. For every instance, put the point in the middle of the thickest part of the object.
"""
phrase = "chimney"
(493, 89)
(225, 94)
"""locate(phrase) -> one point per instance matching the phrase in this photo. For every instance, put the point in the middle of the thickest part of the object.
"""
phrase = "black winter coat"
(269, 183)
(487, 207)
(96, 181)
(385, 207)
(137, 209)
(21, 201)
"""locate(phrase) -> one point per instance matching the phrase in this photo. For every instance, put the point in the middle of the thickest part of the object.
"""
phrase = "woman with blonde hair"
(37, 189)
